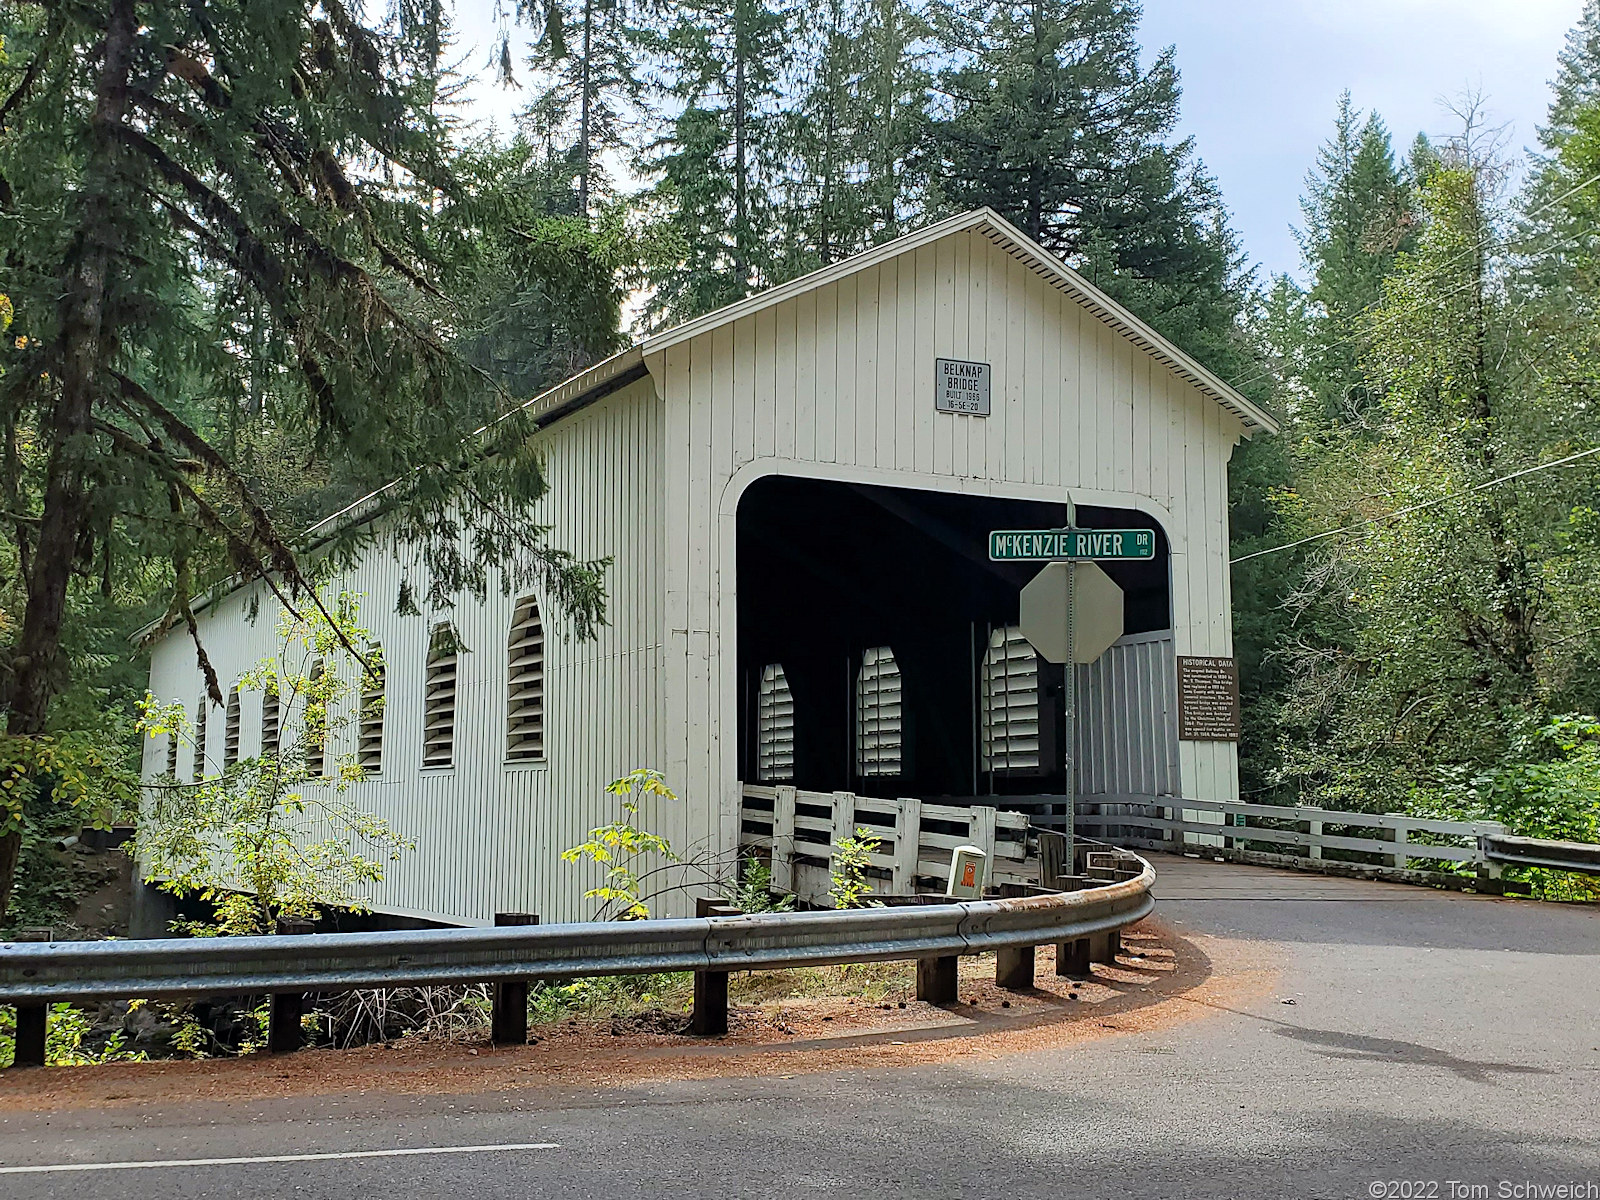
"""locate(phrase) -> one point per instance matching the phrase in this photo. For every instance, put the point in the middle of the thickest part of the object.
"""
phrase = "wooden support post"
(907, 840)
(1072, 959)
(286, 1008)
(1102, 947)
(1113, 945)
(709, 1017)
(1314, 828)
(936, 979)
(1398, 836)
(844, 819)
(508, 1019)
(31, 1027)
(32, 1019)
(783, 840)
(1013, 968)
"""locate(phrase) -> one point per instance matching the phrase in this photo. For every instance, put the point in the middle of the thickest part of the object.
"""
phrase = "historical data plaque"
(1208, 699)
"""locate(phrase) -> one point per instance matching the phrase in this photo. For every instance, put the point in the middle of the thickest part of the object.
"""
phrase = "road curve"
(1395, 1042)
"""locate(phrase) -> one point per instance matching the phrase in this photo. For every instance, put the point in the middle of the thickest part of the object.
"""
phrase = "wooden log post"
(709, 1017)
(286, 1008)
(1103, 947)
(1072, 959)
(936, 979)
(32, 1019)
(508, 1018)
(1013, 968)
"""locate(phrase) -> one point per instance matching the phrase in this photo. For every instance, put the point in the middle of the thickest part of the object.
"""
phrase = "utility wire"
(1400, 512)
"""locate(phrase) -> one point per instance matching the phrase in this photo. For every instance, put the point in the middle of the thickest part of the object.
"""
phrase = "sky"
(1261, 79)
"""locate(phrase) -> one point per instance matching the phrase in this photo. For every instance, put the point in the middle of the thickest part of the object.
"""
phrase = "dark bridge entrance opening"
(878, 650)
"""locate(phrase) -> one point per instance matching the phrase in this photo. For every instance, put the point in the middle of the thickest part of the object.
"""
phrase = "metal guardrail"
(34, 974)
(1580, 857)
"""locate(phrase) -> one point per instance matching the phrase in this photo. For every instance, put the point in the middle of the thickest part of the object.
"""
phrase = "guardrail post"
(32, 1019)
(286, 1008)
(1072, 959)
(1103, 947)
(1314, 830)
(936, 979)
(1398, 836)
(1013, 968)
(709, 1017)
(508, 1017)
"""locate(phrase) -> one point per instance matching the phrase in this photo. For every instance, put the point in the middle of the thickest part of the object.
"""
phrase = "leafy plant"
(273, 835)
(848, 886)
(63, 1043)
(752, 892)
(622, 847)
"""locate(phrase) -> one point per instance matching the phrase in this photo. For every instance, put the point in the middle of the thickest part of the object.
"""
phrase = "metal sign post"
(1069, 691)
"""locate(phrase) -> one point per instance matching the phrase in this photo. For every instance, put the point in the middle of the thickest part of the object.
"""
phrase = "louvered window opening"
(879, 722)
(230, 731)
(369, 728)
(271, 724)
(200, 741)
(525, 684)
(172, 754)
(774, 726)
(1010, 703)
(439, 700)
(316, 730)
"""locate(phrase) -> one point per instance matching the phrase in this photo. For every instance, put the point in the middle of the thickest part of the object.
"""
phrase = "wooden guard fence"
(799, 829)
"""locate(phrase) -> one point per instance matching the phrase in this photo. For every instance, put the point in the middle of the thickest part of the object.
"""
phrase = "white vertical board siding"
(489, 832)
(1075, 408)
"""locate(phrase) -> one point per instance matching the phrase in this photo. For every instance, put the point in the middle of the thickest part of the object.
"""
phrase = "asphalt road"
(1438, 1046)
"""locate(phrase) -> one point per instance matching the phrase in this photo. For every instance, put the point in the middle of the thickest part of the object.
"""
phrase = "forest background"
(257, 264)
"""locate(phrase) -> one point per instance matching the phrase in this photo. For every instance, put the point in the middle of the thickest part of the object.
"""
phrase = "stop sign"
(1096, 612)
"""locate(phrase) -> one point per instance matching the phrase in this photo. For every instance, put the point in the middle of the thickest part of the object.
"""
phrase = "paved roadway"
(1447, 1044)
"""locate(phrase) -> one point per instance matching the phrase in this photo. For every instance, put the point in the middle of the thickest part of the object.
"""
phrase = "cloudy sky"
(1261, 79)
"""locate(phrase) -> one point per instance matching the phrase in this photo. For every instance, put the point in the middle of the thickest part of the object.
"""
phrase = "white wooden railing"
(800, 829)
(1171, 823)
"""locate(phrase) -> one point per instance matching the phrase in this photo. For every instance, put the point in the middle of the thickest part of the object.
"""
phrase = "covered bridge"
(797, 493)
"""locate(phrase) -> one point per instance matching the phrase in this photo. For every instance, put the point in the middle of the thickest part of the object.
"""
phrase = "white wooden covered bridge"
(796, 492)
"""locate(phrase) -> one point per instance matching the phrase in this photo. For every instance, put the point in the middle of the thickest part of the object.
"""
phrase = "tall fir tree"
(1358, 217)
(851, 175)
(1049, 117)
(716, 165)
(587, 69)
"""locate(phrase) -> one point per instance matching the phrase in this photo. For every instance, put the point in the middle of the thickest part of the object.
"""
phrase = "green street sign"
(1070, 545)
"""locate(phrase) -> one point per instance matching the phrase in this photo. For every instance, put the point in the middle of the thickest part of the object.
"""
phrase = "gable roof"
(602, 377)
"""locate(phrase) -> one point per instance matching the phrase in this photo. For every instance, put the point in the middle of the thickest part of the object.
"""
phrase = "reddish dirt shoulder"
(1161, 979)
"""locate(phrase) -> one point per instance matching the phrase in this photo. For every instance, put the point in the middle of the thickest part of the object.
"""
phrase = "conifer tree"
(1049, 117)
(851, 170)
(716, 163)
(184, 185)
(586, 57)
(1358, 216)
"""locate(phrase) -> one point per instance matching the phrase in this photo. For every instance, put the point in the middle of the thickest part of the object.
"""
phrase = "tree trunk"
(741, 264)
(85, 348)
(583, 114)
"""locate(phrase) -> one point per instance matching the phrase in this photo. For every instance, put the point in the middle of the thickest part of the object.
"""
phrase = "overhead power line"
(1411, 508)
